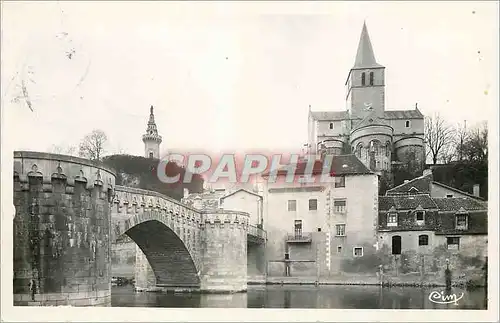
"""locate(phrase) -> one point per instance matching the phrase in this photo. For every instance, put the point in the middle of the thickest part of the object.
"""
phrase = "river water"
(292, 296)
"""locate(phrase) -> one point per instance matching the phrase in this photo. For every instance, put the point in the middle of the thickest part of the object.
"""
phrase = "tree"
(438, 137)
(92, 145)
(475, 148)
(460, 139)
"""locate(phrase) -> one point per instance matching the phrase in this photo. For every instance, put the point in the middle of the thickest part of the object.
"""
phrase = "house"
(420, 232)
(425, 184)
(320, 228)
(246, 201)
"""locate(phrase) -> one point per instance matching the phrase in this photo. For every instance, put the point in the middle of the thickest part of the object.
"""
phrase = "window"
(339, 206)
(340, 230)
(392, 219)
(339, 181)
(339, 249)
(371, 78)
(461, 221)
(150, 155)
(420, 217)
(407, 123)
(292, 205)
(363, 76)
(396, 245)
(287, 256)
(298, 228)
(313, 204)
(453, 243)
(319, 229)
(331, 125)
(358, 252)
(423, 240)
(449, 195)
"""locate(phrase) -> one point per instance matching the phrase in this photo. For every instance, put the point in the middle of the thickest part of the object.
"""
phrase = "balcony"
(256, 234)
(299, 238)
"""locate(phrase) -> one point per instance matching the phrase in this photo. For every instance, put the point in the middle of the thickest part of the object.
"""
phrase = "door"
(298, 228)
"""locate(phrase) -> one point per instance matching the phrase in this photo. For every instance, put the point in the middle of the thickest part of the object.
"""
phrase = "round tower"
(371, 142)
(151, 138)
(410, 149)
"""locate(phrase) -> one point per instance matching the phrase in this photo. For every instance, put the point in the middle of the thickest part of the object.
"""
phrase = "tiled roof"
(457, 190)
(421, 183)
(343, 115)
(341, 165)
(329, 115)
(403, 114)
(456, 203)
(369, 120)
(406, 202)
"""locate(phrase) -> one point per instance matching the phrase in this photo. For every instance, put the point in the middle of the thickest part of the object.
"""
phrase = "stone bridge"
(181, 247)
(68, 213)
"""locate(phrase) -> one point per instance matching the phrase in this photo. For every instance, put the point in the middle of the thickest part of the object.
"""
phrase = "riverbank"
(410, 280)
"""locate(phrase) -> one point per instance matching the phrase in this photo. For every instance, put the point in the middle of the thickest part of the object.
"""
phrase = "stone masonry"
(69, 212)
(61, 230)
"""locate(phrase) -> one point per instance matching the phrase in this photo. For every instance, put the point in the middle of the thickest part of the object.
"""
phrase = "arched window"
(359, 148)
(387, 149)
(363, 76)
(375, 146)
(371, 78)
(407, 124)
(331, 125)
(150, 155)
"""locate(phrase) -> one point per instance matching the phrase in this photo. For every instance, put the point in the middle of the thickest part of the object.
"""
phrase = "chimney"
(186, 193)
(475, 190)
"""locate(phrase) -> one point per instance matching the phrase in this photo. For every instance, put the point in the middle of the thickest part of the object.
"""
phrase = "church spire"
(365, 58)
(151, 138)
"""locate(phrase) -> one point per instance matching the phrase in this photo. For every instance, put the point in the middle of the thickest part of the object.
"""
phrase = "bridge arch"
(171, 246)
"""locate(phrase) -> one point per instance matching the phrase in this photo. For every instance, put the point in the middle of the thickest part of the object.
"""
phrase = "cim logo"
(443, 298)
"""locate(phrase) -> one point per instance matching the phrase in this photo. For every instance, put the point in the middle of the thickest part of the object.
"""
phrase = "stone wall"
(61, 230)
(123, 256)
(429, 262)
(224, 251)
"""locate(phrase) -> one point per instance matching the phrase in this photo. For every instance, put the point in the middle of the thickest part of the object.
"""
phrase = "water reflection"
(346, 297)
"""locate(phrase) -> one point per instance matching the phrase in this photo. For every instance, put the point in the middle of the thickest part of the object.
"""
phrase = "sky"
(232, 76)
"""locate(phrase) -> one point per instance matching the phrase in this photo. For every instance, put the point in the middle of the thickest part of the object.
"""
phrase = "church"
(382, 139)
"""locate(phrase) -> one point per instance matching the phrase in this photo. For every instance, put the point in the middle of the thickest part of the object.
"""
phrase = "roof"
(454, 204)
(344, 115)
(457, 190)
(385, 203)
(239, 190)
(340, 165)
(365, 58)
(422, 184)
(329, 115)
(403, 114)
(370, 120)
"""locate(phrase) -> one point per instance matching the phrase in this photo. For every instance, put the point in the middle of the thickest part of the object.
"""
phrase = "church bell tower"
(366, 81)
(151, 138)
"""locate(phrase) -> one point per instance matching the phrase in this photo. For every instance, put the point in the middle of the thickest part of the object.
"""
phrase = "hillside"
(140, 172)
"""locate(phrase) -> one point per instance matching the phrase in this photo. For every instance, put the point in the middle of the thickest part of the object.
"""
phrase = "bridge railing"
(257, 232)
